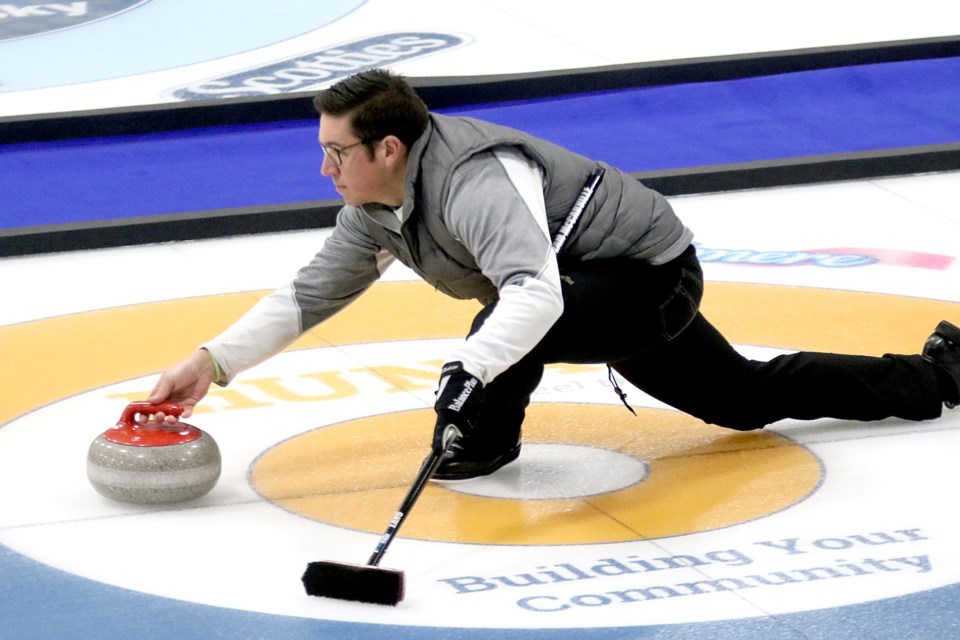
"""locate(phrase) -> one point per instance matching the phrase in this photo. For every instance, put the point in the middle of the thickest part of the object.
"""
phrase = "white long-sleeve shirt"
(496, 210)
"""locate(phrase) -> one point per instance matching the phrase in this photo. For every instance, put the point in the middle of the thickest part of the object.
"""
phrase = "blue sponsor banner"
(312, 70)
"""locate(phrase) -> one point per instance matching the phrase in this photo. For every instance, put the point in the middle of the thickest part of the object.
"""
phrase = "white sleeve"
(498, 212)
(265, 330)
(347, 264)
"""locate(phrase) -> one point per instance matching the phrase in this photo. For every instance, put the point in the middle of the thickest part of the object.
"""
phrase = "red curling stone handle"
(129, 432)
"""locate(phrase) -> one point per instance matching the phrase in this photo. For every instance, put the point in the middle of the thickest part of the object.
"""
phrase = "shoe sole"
(504, 460)
(949, 331)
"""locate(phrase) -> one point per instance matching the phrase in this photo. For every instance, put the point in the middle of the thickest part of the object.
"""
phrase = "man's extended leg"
(701, 374)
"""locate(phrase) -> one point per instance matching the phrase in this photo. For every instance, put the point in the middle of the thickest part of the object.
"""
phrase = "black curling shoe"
(459, 464)
(942, 349)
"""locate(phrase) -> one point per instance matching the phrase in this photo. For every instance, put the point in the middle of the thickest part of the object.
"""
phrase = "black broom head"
(361, 583)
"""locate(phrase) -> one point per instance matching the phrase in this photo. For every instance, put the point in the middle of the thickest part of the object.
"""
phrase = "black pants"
(644, 322)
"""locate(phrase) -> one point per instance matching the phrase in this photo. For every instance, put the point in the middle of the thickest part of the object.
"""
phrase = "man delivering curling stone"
(474, 209)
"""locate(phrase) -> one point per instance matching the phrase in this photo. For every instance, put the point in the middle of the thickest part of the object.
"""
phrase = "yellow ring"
(51, 359)
(356, 473)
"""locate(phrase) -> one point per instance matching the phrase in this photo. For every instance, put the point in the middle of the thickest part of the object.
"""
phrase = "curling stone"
(153, 463)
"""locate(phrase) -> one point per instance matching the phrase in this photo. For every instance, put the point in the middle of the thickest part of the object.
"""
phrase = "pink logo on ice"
(830, 258)
(900, 258)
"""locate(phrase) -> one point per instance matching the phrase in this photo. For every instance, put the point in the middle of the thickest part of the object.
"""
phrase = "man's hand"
(459, 399)
(185, 383)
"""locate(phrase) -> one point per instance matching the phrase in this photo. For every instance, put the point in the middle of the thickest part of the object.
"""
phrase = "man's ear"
(393, 149)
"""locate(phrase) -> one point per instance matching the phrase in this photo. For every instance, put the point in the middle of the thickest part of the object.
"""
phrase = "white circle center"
(556, 472)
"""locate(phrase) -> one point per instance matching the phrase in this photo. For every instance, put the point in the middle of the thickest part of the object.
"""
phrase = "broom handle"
(450, 435)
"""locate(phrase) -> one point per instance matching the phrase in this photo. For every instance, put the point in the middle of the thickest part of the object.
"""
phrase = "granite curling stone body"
(153, 463)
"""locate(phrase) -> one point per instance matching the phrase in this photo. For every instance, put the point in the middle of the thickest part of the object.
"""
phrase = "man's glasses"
(335, 153)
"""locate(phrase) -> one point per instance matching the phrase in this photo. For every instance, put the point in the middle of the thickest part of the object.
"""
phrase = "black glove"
(459, 398)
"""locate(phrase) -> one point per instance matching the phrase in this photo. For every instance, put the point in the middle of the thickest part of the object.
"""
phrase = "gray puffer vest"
(624, 219)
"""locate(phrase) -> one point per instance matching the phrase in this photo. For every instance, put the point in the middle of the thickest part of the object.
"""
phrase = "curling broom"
(370, 583)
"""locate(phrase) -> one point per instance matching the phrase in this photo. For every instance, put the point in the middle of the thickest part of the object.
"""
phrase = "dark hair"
(380, 102)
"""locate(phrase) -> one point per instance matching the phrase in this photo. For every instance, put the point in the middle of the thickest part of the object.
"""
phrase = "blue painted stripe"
(862, 108)
(39, 602)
